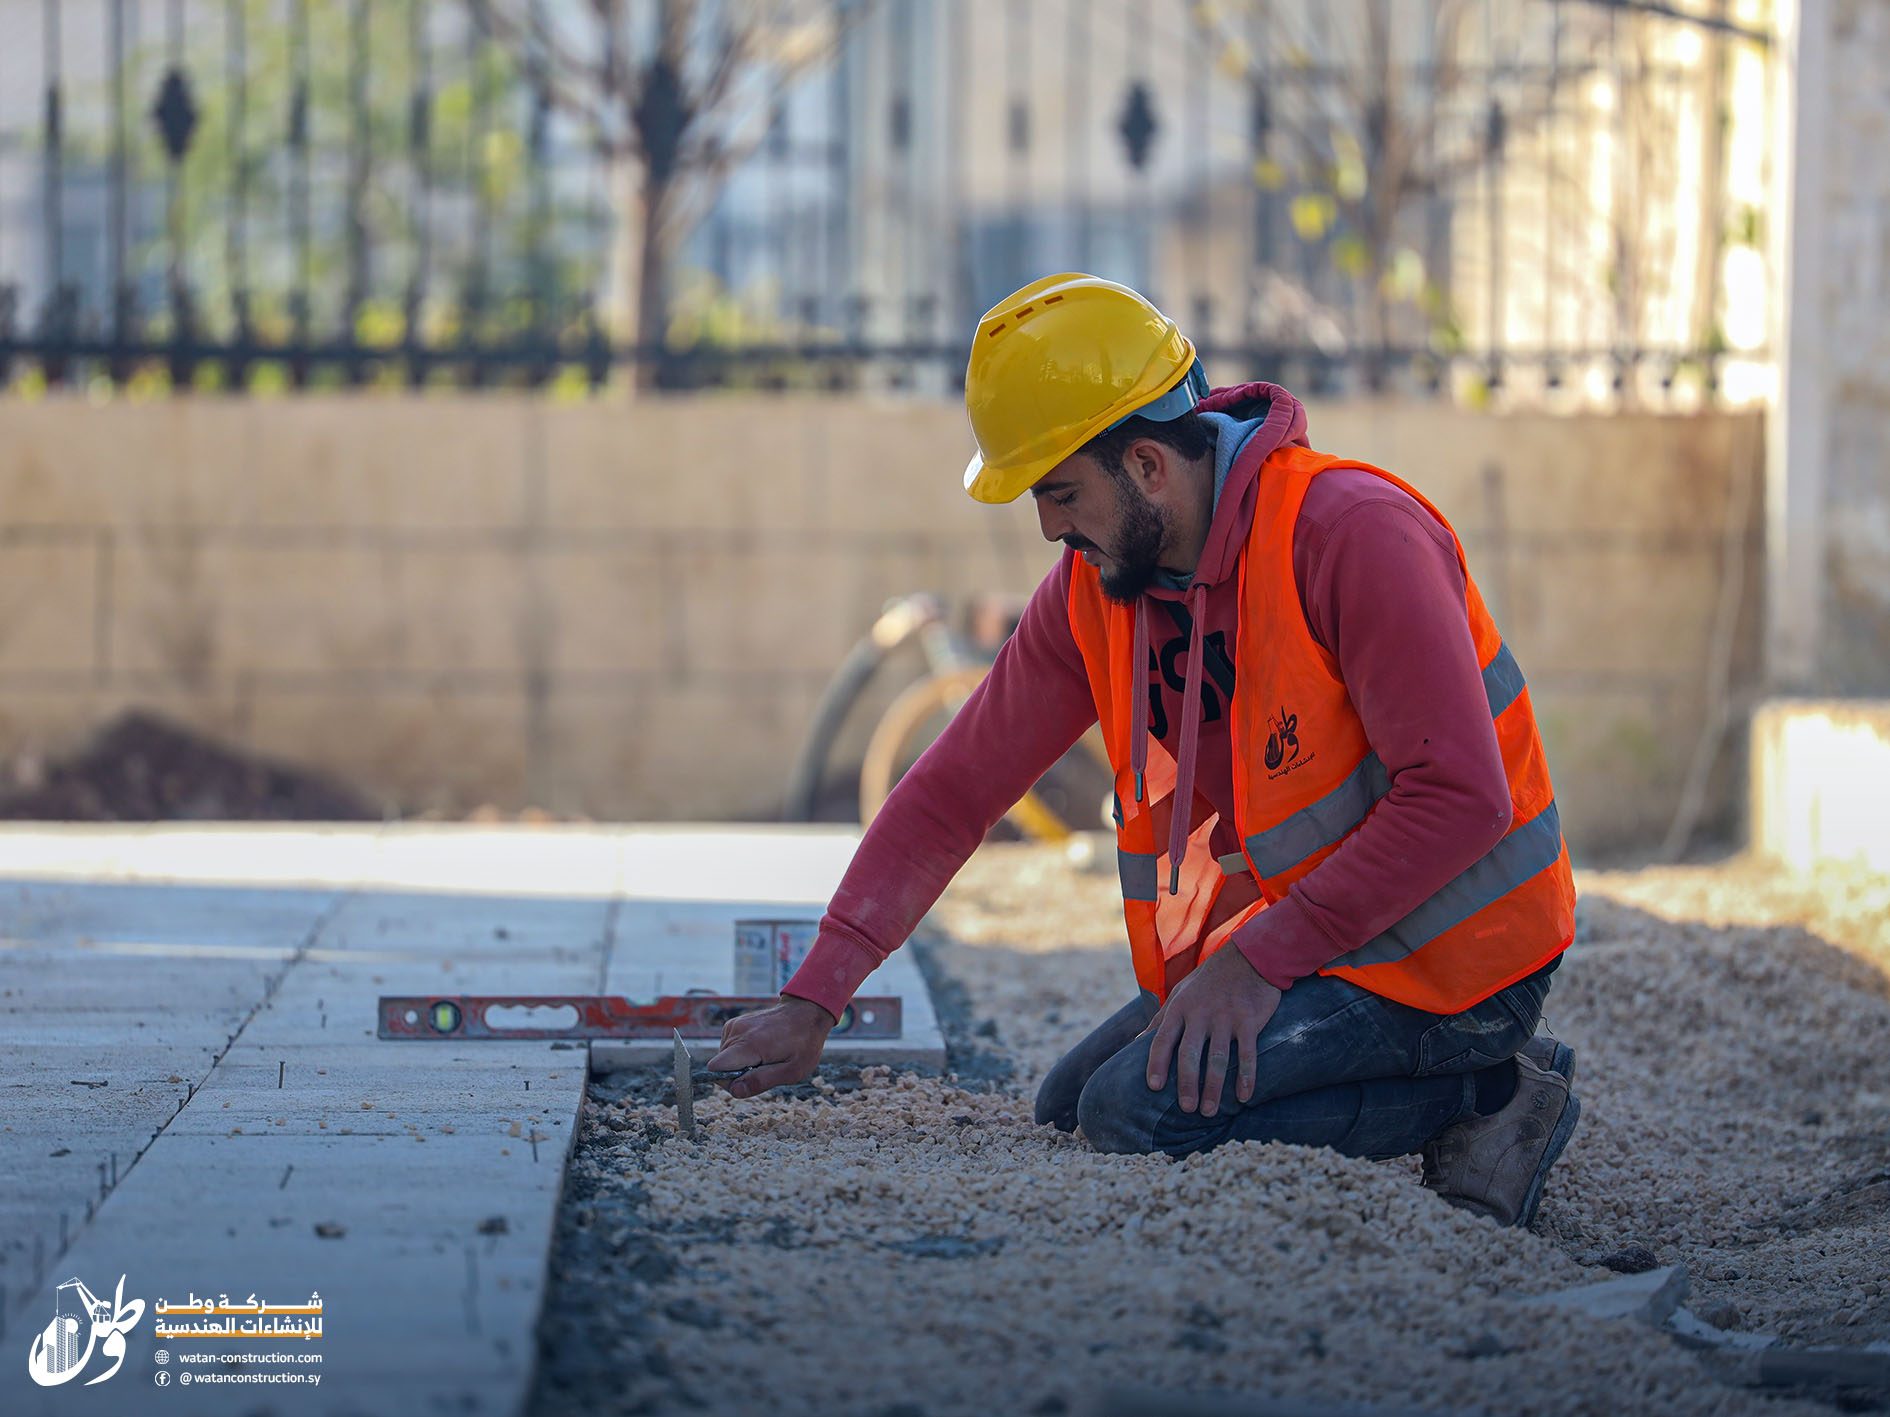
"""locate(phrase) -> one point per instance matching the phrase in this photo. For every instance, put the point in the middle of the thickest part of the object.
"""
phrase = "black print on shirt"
(1167, 666)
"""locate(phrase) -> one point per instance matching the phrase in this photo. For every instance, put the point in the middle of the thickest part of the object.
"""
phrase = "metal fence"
(1475, 197)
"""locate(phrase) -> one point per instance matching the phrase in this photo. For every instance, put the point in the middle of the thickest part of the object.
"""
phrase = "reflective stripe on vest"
(1279, 849)
(1502, 681)
(1527, 851)
(1138, 872)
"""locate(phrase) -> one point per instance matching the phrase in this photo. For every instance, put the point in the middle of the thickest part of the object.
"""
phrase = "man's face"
(1105, 516)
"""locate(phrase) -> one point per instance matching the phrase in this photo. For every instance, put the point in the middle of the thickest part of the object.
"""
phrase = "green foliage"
(1320, 210)
(707, 315)
(1350, 179)
(1404, 277)
(1447, 336)
(1312, 215)
(475, 150)
(1351, 257)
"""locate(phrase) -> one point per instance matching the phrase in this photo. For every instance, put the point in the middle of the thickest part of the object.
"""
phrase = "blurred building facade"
(1551, 200)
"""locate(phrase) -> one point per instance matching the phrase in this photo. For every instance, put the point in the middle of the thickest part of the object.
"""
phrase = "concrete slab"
(132, 913)
(498, 927)
(1650, 1297)
(221, 854)
(99, 1048)
(355, 1090)
(454, 1185)
(220, 983)
(430, 1293)
(676, 932)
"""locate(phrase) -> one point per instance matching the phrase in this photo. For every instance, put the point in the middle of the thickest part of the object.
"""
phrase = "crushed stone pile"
(886, 1244)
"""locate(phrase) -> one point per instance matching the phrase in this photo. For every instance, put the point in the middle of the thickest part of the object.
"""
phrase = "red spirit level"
(529, 1017)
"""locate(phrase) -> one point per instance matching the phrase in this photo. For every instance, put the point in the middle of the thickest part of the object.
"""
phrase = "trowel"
(686, 1084)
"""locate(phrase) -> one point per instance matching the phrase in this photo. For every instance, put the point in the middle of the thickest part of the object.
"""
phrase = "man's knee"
(1063, 1085)
(1057, 1097)
(1113, 1105)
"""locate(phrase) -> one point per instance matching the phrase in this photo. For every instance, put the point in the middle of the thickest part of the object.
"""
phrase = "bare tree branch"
(677, 118)
(567, 78)
(732, 58)
(716, 157)
(613, 76)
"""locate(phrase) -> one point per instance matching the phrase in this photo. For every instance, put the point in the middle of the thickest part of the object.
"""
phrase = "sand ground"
(894, 1245)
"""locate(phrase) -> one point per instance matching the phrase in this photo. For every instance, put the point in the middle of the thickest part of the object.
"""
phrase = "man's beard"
(1138, 552)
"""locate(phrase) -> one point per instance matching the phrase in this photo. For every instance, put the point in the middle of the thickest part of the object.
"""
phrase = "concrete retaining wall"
(629, 610)
(1830, 527)
(1820, 778)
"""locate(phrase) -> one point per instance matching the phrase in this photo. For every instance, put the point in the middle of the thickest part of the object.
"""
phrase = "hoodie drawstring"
(1181, 823)
(1138, 700)
(1282, 422)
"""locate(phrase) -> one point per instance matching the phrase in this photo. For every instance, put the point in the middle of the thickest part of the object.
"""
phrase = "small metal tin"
(754, 958)
(792, 940)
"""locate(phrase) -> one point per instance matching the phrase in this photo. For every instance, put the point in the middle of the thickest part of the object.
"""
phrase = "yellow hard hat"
(1065, 358)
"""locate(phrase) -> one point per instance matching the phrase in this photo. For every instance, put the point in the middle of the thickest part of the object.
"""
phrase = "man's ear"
(1149, 465)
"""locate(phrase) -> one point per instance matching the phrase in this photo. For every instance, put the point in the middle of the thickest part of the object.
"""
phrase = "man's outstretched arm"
(1032, 706)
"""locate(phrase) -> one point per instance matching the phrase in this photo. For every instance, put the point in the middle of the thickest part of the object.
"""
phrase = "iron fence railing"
(1354, 194)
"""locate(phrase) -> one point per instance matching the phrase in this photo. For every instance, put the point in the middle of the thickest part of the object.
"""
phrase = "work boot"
(1496, 1165)
(1550, 1053)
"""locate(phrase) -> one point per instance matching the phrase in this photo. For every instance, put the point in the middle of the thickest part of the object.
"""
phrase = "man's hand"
(781, 1043)
(1223, 1004)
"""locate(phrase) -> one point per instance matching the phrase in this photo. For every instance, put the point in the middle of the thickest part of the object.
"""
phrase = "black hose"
(836, 700)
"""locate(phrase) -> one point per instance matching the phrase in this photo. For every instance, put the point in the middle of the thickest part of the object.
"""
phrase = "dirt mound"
(142, 768)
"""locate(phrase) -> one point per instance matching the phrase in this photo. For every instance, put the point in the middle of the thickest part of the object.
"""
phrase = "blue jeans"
(1338, 1066)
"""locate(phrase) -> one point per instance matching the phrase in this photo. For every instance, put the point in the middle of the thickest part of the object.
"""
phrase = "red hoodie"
(1381, 589)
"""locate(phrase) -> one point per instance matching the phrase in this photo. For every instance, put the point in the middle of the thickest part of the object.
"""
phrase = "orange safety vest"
(1305, 778)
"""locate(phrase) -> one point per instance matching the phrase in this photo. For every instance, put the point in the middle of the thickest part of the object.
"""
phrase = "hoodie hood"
(1250, 421)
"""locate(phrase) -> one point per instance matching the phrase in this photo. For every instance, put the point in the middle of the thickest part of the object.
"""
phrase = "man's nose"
(1051, 519)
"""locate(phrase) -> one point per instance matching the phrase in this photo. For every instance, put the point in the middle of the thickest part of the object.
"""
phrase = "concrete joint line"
(274, 985)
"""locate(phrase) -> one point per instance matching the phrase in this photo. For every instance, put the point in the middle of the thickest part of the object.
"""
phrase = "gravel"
(881, 1243)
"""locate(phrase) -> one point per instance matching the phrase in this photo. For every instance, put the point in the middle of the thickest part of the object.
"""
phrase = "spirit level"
(530, 1017)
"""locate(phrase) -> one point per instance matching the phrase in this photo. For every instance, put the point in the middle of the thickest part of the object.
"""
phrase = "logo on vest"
(1282, 750)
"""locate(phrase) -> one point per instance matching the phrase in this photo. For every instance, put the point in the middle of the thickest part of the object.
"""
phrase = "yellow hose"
(894, 732)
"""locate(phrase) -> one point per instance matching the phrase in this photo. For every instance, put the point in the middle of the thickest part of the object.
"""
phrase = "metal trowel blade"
(685, 1089)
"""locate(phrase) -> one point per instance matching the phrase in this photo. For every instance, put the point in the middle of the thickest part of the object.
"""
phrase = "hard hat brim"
(997, 485)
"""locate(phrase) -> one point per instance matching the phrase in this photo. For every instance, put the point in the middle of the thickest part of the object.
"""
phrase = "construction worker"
(1325, 757)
